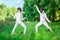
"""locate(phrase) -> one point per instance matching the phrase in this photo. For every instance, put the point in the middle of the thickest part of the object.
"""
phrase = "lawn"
(43, 32)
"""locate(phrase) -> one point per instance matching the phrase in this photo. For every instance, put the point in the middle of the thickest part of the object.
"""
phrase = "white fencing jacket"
(43, 16)
(18, 16)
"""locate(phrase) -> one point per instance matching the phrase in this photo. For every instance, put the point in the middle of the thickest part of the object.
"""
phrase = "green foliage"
(43, 32)
(29, 9)
(2, 27)
(6, 12)
(50, 7)
(3, 12)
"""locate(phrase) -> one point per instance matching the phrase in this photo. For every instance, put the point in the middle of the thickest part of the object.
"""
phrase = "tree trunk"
(53, 15)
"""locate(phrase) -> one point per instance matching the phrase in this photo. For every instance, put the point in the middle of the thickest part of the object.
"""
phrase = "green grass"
(43, 32)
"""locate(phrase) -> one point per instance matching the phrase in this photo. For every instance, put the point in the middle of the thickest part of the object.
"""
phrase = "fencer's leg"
(24, 26)
(45, 23)
(14, 28)
(36, 27)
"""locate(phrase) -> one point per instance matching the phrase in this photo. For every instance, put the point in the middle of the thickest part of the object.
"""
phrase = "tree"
(49, 6)
(6, 13)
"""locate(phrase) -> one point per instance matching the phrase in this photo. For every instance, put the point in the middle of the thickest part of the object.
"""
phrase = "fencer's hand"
(14, 17)
(35, 5)
(25, 18)
(49, 21)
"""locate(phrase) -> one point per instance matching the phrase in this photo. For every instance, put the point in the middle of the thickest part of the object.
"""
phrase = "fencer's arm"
(47, 18)
(37, 9)
(23, 18)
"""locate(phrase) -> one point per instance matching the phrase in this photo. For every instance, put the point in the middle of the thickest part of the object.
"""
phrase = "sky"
(11, 3)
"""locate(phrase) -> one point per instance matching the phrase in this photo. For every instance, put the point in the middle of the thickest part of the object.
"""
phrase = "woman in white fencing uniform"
(43, 19)
(19, 20)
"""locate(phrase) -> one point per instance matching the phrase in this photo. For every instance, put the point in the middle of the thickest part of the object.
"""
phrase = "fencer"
(19, 20)
(43, 19)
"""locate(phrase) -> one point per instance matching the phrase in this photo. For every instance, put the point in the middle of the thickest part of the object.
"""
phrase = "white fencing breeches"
(44, 23)
(22, 24)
